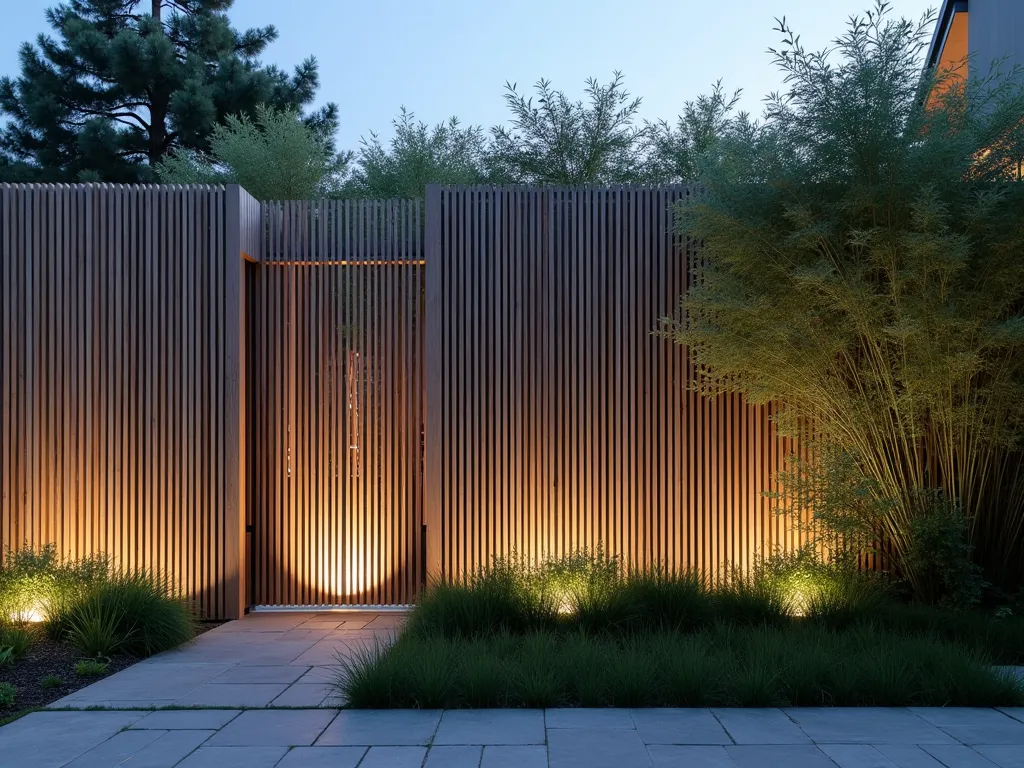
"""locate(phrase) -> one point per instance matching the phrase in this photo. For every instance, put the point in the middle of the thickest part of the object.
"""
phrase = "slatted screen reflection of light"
(112, 370)
(555, 419)
(337, 360)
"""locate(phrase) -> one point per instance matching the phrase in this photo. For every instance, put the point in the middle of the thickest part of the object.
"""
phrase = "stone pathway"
(509, 738)
(243, 673)
(265, 659)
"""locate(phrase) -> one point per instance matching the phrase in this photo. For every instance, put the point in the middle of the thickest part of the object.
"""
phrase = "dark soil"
(45, 658)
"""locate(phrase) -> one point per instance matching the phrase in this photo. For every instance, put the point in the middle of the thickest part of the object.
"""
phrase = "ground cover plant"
(63, 623)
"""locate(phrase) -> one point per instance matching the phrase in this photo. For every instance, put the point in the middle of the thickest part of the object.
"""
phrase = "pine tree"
(125, 82)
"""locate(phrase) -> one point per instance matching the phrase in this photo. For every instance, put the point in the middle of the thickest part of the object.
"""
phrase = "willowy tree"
(274, 155)
(560, 141)
(122, 83)
(417, 155)
(865, 268)
(671, 152)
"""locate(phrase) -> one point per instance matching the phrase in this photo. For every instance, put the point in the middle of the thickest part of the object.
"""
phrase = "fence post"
(234, 407)
(433, 353)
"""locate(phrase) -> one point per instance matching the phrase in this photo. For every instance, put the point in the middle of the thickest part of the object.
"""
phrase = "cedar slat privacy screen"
(555, 420)
(324, 402)
(116, 398)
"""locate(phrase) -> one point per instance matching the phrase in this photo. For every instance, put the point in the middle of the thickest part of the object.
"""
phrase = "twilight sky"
(452, 57)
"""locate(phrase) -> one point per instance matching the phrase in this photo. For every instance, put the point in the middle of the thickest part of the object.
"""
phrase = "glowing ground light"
(32, 615)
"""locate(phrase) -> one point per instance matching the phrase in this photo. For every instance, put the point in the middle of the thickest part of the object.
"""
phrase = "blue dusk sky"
(452, 57)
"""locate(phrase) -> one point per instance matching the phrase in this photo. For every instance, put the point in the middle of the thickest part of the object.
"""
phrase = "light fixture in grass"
(36, 582)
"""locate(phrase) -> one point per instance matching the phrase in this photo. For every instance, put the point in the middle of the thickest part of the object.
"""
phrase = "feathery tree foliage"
(125, 82)
(274, 155)
(417, 155)
(560, 141)
(866, 269)
(672, 152)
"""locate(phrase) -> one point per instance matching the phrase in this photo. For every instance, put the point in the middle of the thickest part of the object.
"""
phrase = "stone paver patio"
(559, 738)
(245, 672)
(263, 660)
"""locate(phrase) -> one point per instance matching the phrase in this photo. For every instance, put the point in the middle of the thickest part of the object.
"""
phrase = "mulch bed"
(44, 658)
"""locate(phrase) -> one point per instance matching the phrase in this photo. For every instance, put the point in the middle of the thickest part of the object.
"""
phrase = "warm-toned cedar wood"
(576, 428)
(436, 384)
(111, 357)
(517, 324)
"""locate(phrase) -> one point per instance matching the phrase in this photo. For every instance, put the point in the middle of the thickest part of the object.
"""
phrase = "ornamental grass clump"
(36, 583)
(133, 612)
(802, 664)
(864, 270)
(90, 603)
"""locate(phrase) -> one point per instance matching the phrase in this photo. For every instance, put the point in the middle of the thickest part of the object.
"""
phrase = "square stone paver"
(943, 716)
(234, 757)
(238, 650)
(116, 749)
(679, 726)
(274, 728)
(674, 756)
(303, 695)
(867, 725)
(454, 757)
(150, 681)
(321, 624)
(326, 652)
(590, 748)
(760, 726)
(233, 695)
(282, 673)
(323, 757)
(779, 756)
(491, 726)
(45, 739)
(520, 756)
(1009, 732)
(584, 717)
(188, 719)
(1003, 755)
(908, 756)
(323, 673)
(311, 635)
(381, 727)
(166, 751)
(857, 756)
(394, 757)
(957, 756)
(70, 703)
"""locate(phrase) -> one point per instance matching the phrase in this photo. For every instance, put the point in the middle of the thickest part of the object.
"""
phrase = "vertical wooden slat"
(614, 450)
(483, 373)
(107, 318)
